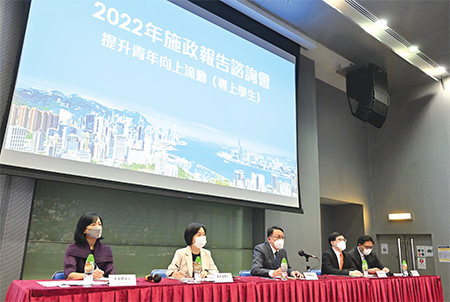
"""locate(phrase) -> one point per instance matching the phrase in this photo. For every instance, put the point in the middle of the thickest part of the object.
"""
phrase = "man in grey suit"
(364, 250)
(267, 256)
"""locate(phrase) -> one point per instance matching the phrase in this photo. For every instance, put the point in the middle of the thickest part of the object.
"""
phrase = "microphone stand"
(308, 268)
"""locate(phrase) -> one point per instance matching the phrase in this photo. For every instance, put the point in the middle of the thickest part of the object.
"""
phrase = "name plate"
(415, 273)
(310, 276)
(122, 280)
(223, 277)
(381, 274)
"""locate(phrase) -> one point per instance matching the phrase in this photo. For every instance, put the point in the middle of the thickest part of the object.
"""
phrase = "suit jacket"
(330, 264)
(372, 259)
(264, 260)
(183, 259)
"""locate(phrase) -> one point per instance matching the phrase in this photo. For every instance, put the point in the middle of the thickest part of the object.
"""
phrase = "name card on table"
(122, 280)
(381, 274)
(223, 277)
(415, 273)
(310, 276)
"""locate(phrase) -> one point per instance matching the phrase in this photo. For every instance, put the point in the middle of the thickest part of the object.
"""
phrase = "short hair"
(271, 229)
(364, 238)
(333, 236)
(85, 220)
(191, 230)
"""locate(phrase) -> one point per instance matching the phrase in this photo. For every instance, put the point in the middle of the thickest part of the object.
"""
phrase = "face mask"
(367, 252)
(200, 241)
(342, 245)
(95, 232)
(279, 244)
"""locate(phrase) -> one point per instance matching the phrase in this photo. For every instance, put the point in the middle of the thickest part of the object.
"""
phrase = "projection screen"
(155, 93)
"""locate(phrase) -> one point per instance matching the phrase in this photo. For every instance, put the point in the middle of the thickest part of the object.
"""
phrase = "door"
(416, 249)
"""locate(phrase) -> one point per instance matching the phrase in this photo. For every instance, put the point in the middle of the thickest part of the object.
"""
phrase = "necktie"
(341, 264)
(276, 258)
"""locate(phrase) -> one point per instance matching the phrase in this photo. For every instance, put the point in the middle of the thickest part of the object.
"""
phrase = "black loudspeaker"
(367, 93)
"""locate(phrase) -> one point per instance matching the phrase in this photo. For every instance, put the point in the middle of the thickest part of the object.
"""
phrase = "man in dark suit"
(364, 250)
(335, 261)
(267, 256)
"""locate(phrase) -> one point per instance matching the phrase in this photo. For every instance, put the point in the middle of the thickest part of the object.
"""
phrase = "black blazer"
(372, 259)
(264, 260)
(330, 264)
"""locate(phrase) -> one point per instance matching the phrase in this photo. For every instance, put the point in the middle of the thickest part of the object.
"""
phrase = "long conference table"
(327, 288)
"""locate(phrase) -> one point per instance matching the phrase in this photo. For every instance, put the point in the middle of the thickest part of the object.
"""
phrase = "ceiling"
(424, 23)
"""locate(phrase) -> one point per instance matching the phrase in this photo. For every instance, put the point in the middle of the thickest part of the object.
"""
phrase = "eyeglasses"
(341, 239)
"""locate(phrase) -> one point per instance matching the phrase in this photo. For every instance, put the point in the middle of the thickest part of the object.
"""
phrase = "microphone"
(153, 278)
(306, 255)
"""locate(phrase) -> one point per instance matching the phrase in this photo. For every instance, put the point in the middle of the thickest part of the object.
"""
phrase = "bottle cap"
(283, 260)
(90, 258)
(198, 259)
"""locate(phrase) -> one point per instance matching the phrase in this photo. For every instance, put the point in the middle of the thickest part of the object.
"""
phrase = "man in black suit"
(267, 256)
(364, 250)
(335, 261)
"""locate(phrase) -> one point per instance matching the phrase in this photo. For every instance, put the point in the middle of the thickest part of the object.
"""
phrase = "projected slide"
(150, 87)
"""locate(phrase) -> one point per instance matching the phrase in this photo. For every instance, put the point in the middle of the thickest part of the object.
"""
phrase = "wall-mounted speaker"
(367, 93)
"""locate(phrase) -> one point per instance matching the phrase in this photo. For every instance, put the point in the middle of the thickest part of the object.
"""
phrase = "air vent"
(362, 10)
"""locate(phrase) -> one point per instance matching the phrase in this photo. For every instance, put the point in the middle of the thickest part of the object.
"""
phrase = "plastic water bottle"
(89, 268)
(405, 269)
(198, 269)
(284, 269)
(365, 268)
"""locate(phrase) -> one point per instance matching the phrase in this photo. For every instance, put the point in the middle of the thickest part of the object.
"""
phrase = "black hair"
(85, 220)
(271, 229)
(333, 236)
(364, 238)
(191, 230)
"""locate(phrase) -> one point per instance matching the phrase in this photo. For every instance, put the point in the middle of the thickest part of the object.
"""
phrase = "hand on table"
(355, 273)
(277, 273)
(296, 274)
(98, 273)
(178, 275)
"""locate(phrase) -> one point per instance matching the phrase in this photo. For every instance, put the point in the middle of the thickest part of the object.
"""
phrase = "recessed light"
(440, 69)
(382, 24)
(413, 49)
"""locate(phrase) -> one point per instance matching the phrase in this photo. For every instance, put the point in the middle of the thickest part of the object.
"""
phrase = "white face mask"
(95, 232)
(342, 245)
(279, 244)
(367, 252)
(200, 241)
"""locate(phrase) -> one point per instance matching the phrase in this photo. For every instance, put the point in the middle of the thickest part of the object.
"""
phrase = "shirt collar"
(273, 249)
(360, 254)
(338, 253)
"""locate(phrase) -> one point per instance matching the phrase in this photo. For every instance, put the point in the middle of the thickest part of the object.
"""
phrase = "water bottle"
(284, 269)
(365, 268)
(404, 269)
(198, 269)
(89, 268)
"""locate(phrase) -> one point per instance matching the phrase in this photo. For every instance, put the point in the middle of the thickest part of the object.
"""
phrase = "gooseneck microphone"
(153, 278)
(306, 255)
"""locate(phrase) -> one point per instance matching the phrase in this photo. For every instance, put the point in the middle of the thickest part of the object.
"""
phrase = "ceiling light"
(413, 49)
(371, 24)
(382, 24)
(440, 70)
(399, 216)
